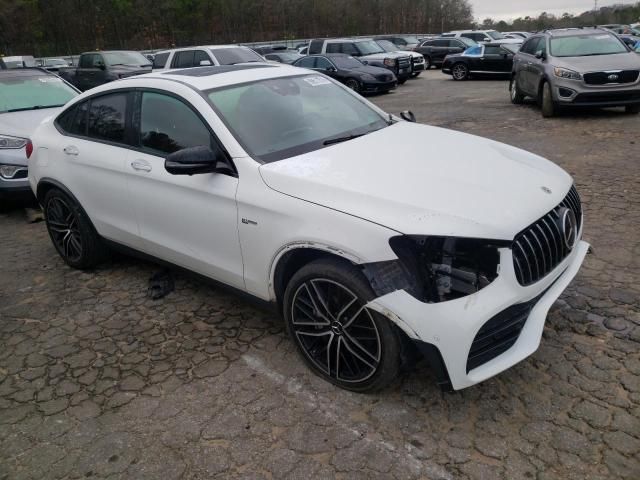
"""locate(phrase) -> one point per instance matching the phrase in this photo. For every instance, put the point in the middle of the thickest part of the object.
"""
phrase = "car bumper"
(371, 87)
(451, 327)
(570, 94)
(418, 67)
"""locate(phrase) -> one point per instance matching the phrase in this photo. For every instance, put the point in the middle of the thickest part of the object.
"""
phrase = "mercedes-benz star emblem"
(546, 190)
(568, 227)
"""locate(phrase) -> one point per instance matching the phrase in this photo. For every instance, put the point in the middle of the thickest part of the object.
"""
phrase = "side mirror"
(102, 66)
(408, 116)
(192, 161)
(540, 55)
(205, 63)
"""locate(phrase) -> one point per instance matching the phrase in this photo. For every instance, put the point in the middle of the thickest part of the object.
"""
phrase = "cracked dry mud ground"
(97, 381)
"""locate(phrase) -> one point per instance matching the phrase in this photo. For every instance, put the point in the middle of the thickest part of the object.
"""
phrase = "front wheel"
(71, 231)
(339, 338)
(633, 109)
(516, 95)
(460, 72)
(353, 84)
(548, 106)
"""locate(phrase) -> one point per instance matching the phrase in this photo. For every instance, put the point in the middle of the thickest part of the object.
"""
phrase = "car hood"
(461, 185)
(619, 61)
(23, 124)
(371, 70)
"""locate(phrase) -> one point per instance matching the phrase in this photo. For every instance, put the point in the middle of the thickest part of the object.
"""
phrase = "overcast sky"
(508, 9)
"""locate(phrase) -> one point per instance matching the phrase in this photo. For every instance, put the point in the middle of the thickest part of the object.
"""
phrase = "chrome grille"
(540, 247)
(603, 78)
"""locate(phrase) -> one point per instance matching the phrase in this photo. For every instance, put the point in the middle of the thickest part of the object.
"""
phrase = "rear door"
(191, 221)
(439, 50)
(85, 71)
(493, 59)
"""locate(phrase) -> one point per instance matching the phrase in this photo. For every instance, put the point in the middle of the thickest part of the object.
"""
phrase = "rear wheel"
(460, 72)
(516, 95)
(633, 109)
(337, 336)
(353, 84)
(427, 63)
(548, 106)
(71, 232)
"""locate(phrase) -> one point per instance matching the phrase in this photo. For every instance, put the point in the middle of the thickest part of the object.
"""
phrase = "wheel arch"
(46, 184)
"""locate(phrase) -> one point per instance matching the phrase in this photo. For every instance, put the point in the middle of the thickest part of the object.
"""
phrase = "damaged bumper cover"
(465, 339)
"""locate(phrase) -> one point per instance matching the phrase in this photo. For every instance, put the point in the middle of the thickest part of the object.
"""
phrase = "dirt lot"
(98, 381)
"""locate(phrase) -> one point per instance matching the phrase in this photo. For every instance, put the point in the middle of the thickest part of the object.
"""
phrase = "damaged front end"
(437, 269)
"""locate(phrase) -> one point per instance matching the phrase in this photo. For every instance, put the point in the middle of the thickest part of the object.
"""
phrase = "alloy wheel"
(336, 331)
(459, 72)
(63, 226)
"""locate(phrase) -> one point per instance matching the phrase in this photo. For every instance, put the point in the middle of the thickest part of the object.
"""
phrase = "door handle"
(71, 150)
(141, 166)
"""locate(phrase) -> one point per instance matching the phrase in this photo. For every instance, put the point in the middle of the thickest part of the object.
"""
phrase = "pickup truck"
(97, 68)
(368, 51)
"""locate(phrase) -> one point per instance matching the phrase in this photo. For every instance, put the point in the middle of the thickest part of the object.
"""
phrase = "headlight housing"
(390, 62)
(7, 142)
(368, 77)
(438, 269)
(565, 73)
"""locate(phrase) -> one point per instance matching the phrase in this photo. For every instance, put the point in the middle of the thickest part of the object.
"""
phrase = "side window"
(107, 115)
(98, 61)
(441, 43)
(468, 35)
(333, 48)
(530, 46)
(430, 43)
(476, 51)
(160, 60)
(493, 50)
(79, 123)
(457, 44)
(399, 41)
(542, 46)
(201, 56)
(183, 59)
(86, 61)
(322, 63)
(168, 125)
(306, 62)
(350, 49)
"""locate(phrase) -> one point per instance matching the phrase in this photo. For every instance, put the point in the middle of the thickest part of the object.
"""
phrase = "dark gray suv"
(574, 68)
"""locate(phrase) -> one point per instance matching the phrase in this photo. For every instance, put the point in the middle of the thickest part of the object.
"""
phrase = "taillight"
(29, 148)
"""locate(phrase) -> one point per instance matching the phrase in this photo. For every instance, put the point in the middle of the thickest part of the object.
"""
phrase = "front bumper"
(376, 87)
(575, 93)
(452, 326)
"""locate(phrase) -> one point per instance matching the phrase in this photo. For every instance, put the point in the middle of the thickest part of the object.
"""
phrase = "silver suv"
(588, 67)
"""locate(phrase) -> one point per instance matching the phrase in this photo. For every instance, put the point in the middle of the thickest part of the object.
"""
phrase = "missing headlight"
(439, 269)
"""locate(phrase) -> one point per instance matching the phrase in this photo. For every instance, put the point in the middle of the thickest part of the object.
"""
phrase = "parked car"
(576, 67)
(367, 50)
(417, 60)
(481, 60)
(205, 56)
(295, 190)
(97, 68)
(404, 42)
(52, 64)
(631, 41)
(523, 35)
(351, 71)
(18, 61)
(621, 29)
(287, 56)
(482, 36)
(434, 50)
(27, 96)
(264, 49)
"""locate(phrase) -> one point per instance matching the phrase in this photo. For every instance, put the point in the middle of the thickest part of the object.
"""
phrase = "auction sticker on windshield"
(315, 81)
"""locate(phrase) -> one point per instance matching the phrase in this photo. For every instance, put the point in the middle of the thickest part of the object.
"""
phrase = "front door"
(191, 221)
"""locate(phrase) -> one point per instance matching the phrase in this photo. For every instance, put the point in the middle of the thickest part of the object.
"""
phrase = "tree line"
(63, 27)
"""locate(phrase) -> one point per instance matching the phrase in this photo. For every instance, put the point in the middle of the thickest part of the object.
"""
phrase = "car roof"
(568, 32)
(25, 72)
(210, 47)
(205, 78)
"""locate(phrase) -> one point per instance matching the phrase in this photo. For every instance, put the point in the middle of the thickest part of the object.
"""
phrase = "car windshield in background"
(496, 35)
(284, 117)
(347, 62)
(32, 93)
(586, 45)
(369, 47)
(126, 58)
(231, 56)
(387, 46)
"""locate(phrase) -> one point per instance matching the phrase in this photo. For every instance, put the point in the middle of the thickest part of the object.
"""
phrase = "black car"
(351, 71)
(286, 56)
(485, 59)
(435, 49)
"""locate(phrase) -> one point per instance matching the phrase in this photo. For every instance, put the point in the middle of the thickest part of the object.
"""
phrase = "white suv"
(284, 184)
(482, 36)
(204, 56)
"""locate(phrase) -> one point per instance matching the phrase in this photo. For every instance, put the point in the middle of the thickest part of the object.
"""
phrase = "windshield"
(586, 45)
(284, 117)
(496, 35)
(347, 62)
(233, 55)
(125, 58)
(387, 46)
(410, 40)
(33, 92)
(369, 47)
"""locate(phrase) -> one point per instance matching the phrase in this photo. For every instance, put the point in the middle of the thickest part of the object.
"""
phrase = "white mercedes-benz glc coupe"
(282, 183)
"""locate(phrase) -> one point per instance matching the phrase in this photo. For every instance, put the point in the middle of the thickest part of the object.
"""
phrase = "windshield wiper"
(346, 138)
(35, 107)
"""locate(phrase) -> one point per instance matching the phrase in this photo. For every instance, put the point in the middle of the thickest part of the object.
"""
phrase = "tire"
(71, 231)
(353, 84)
(547, 105)
(427, 63)
(459, 72)
(516, 95)
(632, 109)
(314, 300)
